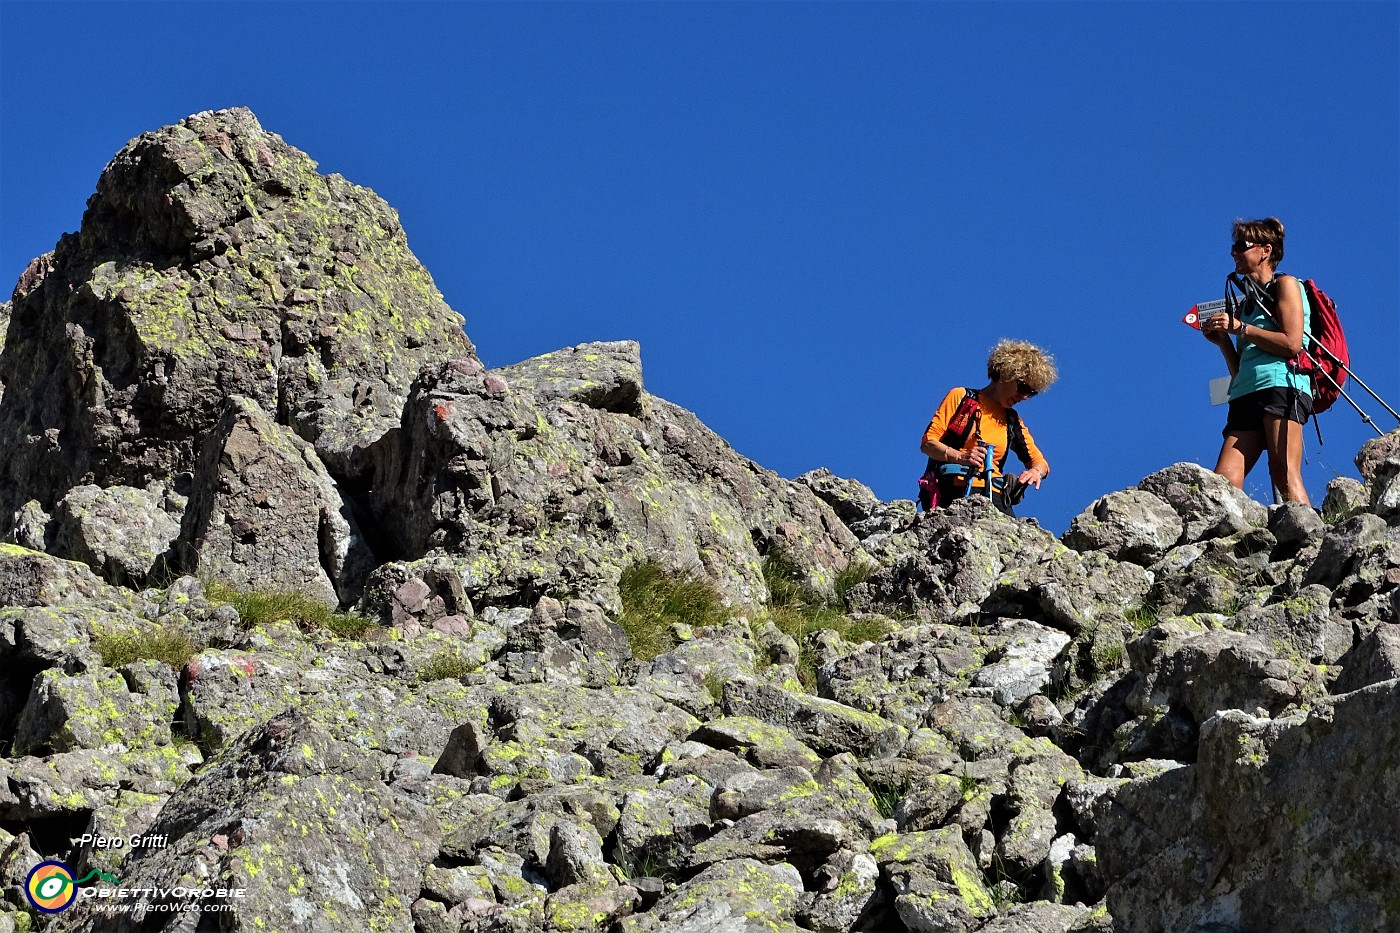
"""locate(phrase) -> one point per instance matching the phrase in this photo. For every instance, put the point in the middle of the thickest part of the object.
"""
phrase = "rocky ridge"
(237, 372)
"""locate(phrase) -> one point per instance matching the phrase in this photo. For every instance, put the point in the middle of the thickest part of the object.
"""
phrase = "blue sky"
(816, 218)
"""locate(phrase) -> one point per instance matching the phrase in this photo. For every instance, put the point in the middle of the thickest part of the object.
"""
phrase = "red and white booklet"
(1205, 309)
(1219, 388)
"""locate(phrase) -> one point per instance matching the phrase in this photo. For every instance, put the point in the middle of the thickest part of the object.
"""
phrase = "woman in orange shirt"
(967, 418)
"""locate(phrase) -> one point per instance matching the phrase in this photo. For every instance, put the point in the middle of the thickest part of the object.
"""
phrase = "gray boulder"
(1071, 591)
(1217, 842)
(937, 885)
(95, 709)
(1208, 505)
(1303, 626)
(1345, 497)
(1375, 659)
(120, 532)
(1379, 463)
(657, 825)
(1043, 917)
(524, 737)
(826, 726)
(905, 673)
(848, 896)
(543, 485)
(1293, 523)
(301, 820)
(1359, 559)
(1186, 668)
(740, 896)
(950, 560)
(1131, 525)
(32, 579)
(226, 692)
(791, 815)
(1019, 665)
(765, 745)
(851, 500)
(71, 785)
(265, 514)
(689, 675)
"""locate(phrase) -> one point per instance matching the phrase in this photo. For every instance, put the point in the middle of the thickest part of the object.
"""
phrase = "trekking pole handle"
(991, 451)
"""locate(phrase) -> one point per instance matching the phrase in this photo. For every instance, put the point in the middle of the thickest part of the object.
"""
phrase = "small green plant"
(446, 665)
(797, 611)
(1007, 887)
(714, 686)
(1005, 893)
(654, 599)
(256, 607)
(1143, 616)
(1107, 657)
(1335, 511)
(850, 577)
(967, 785)
(888, 798)
(785, 581)
(168, 645)
(647, 865)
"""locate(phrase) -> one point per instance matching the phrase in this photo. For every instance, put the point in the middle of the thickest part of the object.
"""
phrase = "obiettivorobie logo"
(51, 887)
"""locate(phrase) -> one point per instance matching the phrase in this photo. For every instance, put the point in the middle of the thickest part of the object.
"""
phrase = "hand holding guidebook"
(1203, 311)
(1219, 388)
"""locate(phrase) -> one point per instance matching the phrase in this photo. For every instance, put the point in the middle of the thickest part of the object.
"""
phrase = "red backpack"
(1326, 360)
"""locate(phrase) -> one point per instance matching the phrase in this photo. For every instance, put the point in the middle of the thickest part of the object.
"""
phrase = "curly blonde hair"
(1017, 359)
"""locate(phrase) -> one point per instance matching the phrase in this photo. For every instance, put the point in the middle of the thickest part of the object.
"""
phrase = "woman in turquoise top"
(1269, 401)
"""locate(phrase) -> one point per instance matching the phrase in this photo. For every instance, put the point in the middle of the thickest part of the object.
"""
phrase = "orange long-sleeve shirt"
(991, 428)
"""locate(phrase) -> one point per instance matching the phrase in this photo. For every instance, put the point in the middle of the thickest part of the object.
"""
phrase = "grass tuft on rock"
(1143, 616)
(655, 599)
(798, 611)
(447, 665)
(256, 607)
(170, 646)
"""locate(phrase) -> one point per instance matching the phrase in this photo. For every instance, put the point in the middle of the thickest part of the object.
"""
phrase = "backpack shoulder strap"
(969, 411)
(1016, 439)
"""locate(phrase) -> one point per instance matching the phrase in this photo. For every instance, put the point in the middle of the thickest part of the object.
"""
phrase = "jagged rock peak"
(4, 327)
(213, 260)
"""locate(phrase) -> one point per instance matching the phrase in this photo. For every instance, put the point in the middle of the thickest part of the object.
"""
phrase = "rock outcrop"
(212, 261)
(883, 721)
(548, 477)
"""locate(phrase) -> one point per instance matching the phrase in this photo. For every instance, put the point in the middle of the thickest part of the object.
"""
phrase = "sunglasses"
(1240, 246)
(1026, 390)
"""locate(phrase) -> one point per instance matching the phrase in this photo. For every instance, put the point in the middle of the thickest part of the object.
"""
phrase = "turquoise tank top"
(1260, 369)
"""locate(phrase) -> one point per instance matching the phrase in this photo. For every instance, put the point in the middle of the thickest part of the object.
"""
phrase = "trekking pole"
(1358, 381)
(986, 470)
(1364, 417)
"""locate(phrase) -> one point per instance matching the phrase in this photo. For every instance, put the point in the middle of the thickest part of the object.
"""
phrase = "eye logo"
(50, 887)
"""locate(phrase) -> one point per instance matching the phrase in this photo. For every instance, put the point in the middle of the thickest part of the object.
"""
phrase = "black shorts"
(1247, 412)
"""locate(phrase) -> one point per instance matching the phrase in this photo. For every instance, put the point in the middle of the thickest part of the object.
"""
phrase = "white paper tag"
(1220, 390)
(1208, 309)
